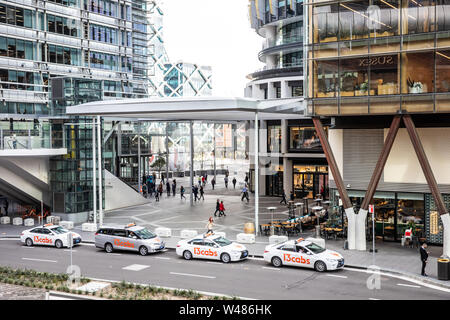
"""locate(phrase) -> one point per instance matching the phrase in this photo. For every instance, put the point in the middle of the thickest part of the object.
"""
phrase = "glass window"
(297, 91)
(12, 48)
(274, 138)
(325, 19)
(19, 17)
(29, 17)
(20, 45)
(384, 74)
(10, 15)
(417, 72)
(418, 16)
(442, 70)
(3, 47)
(2, 14)
(354, 77)
(325, 78)
(410, 214)
(304, 138)
(52, 53)
(51, 23)
(59, 25)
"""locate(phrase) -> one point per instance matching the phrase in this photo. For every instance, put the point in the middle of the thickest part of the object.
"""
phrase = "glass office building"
(370, 60)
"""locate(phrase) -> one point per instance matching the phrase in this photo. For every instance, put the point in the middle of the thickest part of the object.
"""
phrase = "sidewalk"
(176, 214)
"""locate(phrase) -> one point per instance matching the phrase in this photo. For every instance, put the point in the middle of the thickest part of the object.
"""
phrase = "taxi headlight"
(332, 260)
(235, 252)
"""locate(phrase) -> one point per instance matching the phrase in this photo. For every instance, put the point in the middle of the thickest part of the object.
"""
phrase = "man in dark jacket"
(424, 258)
(217, 208)
(168, 188)
(174, 187)
(284, 198)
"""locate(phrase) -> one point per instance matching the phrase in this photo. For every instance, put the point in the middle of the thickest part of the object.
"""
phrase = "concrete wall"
(119, 194)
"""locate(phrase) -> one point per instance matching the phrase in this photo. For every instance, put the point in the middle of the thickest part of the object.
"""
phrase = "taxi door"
(48, 237)
(120, 240)
(287, 254)
(198, 246)
(212, 250)
(132, 241)
(304, 257)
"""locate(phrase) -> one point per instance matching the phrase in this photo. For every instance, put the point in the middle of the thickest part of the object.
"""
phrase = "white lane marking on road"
(10, 239)
(135, 267)
(271, 268)
(407, 285)
(68, 250)
(162, 258)
(252, 258)
(374, 299)
(336, 276)
(431, 286)
(41, 260)
(192, 275)
(28, 247)
(87, 244)
(212, 262)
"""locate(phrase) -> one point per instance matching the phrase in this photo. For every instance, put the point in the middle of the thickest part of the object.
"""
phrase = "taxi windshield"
(59, 230)
(221, 241)
(144, 234)
(315, 248)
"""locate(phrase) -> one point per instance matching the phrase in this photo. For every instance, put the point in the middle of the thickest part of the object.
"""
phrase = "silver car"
(130, 238)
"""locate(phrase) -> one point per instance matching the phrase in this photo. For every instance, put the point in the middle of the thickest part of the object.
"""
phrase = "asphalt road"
(252, 278)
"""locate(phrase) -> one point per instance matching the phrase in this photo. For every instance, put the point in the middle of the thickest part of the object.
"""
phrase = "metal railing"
(27, 139)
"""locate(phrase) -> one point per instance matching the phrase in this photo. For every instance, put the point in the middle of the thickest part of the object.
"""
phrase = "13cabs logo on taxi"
(209, 252)
(124, 244)
(38, 239)
(288, 258)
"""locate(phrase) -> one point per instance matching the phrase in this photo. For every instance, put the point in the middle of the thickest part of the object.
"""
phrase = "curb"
(72, 296)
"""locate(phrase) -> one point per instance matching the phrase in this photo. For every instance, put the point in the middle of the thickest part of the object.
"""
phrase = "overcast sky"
(215, 33)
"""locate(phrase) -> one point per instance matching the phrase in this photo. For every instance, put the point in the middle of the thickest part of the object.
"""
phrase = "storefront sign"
(377, 61)
(434, 222)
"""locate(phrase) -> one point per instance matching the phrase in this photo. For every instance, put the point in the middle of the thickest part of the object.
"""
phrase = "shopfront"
(310, 181)
(394, 213)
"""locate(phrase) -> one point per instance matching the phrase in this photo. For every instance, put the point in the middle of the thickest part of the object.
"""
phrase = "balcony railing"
(40, 138)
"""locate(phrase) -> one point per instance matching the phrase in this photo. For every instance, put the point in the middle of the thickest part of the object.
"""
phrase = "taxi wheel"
(187, 255)
(225, 258)
(143, 250)
(276, 262)
(320, 266)
(29, 242)
(58, 244)
(108, 248)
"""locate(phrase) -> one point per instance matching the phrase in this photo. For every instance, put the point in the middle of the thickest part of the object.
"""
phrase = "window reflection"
(326, 78)
(304, 138)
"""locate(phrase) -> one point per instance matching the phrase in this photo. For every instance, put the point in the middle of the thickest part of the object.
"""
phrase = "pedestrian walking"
(246, 179)
(157, 196)
(213, 183)
(195, 191)
(292, 196)
(424, 258)
(217, 208)
(203, 180)
(160, 189)
(174, 187)
(222, 209)
(144, 190)
(206, 178)
(202, 192)
(182, 192)
(226, 181)
(6, 206)
(234, 183)
(168, 188)
(199, 181)
(162, 177)
(284, 198)
(245, 194)
(209, 226)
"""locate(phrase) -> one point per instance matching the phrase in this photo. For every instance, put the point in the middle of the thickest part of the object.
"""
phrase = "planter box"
(5, 220)
(185, 234)
(28, 222)
(66, 224)
(245, 238)
(17, 221)
(89, 227)
(163, 232)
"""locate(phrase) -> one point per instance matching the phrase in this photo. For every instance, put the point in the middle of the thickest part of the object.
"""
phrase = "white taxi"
(302, 253)
(49, 235)
(213, 247)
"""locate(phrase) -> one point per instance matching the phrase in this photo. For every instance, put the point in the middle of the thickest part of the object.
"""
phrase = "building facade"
(292, 151)
(183, 79)
(368, 63)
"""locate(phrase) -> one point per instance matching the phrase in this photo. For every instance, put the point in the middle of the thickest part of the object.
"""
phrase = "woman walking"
(209, 226)
(222, 209)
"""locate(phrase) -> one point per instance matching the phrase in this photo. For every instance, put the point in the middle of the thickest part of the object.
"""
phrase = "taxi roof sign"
(48, 225)
(130, 225)
(299, 240)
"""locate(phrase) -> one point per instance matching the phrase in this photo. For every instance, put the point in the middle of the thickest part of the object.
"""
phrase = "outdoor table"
(265, 227)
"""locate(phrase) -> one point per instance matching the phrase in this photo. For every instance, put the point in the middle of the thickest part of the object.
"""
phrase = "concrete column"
(94, 174)
(271, 91)
(256, 175)
(139, 158)
(100, 171)
(287, 176)
(285, 90)
(167, 151)
(191, 171)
